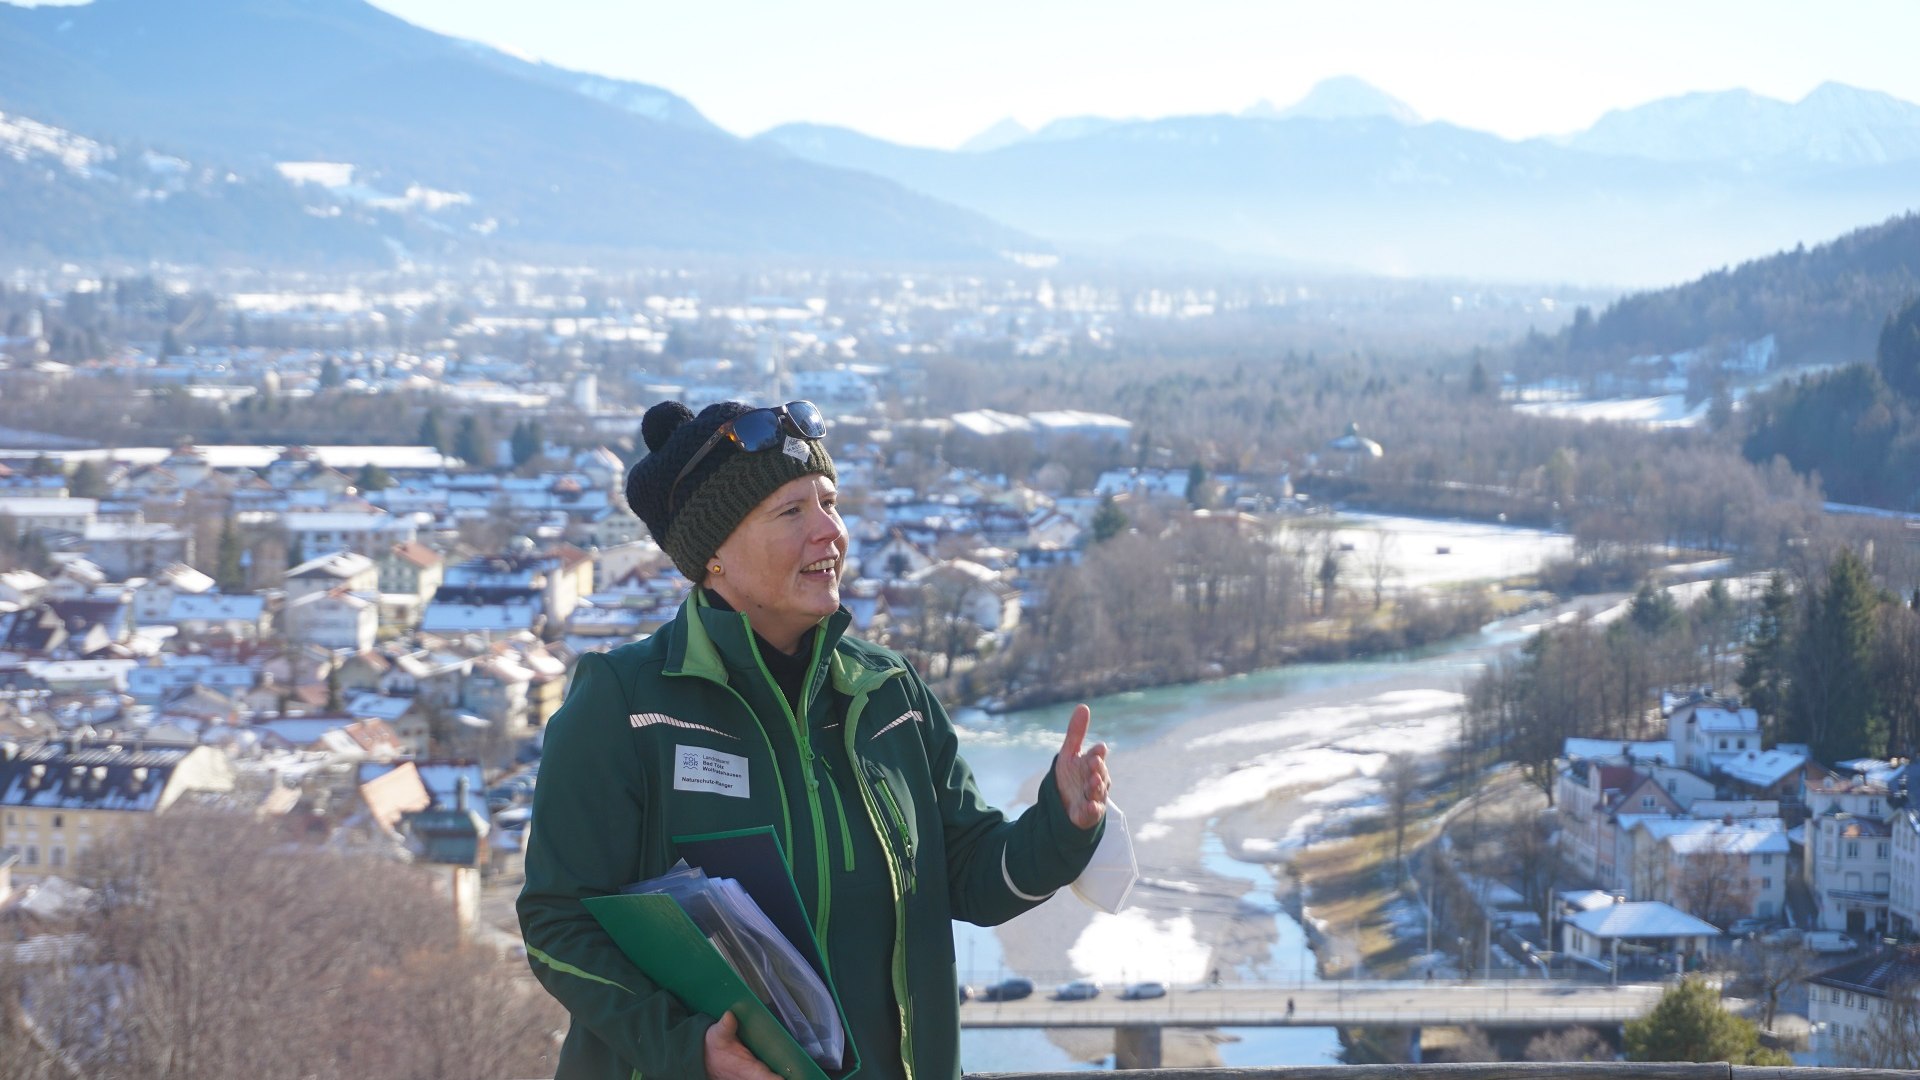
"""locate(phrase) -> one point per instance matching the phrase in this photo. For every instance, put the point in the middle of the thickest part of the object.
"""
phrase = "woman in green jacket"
(755, 708)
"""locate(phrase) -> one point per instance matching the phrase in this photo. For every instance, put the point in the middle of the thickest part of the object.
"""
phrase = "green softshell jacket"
(619, 779)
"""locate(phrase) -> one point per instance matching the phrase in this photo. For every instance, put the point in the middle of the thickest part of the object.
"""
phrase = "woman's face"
(781, 566)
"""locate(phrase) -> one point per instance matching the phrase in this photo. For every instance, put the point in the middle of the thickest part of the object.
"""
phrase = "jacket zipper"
(823, 863)
(878, 778)
(902, 994)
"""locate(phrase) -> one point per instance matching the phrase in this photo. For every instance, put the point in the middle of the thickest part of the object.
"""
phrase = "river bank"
(1397, 584)
(1240, 775)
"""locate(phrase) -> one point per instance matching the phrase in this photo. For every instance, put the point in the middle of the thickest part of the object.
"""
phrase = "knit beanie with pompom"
(720, 490)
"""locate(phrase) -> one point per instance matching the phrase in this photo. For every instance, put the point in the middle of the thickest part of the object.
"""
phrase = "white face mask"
(1108, 879)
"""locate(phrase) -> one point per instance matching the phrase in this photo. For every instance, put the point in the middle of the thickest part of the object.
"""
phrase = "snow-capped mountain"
(1343, 97)
(26, 140)
(1835, 125)
(542, 156)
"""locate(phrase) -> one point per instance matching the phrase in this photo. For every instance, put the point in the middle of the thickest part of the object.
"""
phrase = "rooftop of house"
(1878, 974)
(1640, 919)
(86, 777)
(1763, 768)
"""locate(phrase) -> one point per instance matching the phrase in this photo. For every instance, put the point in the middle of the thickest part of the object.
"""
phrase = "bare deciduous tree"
(1568, 1044)
(1769, 970)
(1714, 884)
(1380, 564)
(1400, 781)
(1892, 1038)
(219, 949)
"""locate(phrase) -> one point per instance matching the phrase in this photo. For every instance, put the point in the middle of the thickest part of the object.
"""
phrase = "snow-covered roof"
(216, 607)
(991, 422)
(1660, 750)
(378, 706)
(442, 617)
(1763, 769)
(1713, 718)
(1873, 770)
(53, 898)
(442, 779)
(90, 778)
(1667, 828)
(184, 579)
(403, 525)
(1731, 841)
(339, 564)
(1585, 899)
(1640, 919)
(304, 730)
(259, 457)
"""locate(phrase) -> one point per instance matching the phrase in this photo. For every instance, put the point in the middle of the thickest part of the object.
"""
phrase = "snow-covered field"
(1422, 551)
(1665, 411)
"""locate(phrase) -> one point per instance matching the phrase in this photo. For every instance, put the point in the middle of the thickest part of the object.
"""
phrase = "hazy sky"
(936, 74)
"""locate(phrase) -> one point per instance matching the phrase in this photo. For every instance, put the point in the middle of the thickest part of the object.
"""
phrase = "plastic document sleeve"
(663, 942)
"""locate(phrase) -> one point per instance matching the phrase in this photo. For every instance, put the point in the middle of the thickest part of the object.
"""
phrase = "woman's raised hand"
(1081, 775)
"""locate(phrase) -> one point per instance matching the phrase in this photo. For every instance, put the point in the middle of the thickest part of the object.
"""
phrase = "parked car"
(1140, 991)
(1747, 927)
(1785, 935)
(1077, 990)
(1829, 941)
(1008, 990)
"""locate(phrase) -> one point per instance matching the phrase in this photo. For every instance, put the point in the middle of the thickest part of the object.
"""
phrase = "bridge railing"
(1317, 1016)
(1577, 1070)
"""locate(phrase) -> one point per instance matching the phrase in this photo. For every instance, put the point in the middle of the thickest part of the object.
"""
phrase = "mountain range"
(1350, 177)
(530, 157)
(370, 138)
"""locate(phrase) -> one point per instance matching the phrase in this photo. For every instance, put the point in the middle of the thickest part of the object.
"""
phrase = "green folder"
(663, 942)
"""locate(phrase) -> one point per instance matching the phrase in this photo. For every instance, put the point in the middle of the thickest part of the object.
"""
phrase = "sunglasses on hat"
(757, 431)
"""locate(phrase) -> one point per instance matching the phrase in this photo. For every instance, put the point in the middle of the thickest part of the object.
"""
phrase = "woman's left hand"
(1081, 775)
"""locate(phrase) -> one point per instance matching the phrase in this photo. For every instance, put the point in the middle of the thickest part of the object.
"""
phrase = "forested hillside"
(1855, 428)
(1824, 304)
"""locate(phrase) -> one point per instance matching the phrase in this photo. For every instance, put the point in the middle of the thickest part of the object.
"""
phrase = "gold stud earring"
(714, 569)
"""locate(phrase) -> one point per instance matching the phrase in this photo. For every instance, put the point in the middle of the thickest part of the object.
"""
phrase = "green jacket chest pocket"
(899, 820)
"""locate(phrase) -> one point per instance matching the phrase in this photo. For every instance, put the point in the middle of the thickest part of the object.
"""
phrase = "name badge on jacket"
(697, 768)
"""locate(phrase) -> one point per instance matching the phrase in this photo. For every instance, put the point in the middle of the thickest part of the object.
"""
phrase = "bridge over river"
(1408, 1005)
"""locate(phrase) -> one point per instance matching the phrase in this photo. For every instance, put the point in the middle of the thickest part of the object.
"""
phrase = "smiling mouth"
(824, 565)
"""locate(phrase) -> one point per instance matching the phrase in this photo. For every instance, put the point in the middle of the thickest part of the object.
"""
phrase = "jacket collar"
(705, 641)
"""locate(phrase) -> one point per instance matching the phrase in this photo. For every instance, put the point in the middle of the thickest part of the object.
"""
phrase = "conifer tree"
(431, 433)
(1109, 520)
(86, 482)
(1197, 486)
(1899, 353)
(1689, 1024)
(470, 442)
(373, 478)
(1763, 672)
(227, 569)
(1831, 702)
(528, 441)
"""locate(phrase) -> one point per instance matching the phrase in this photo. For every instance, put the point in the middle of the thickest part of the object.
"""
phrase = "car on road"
(1077, 990)
(1829, 941)
(1141, 991)
(1007, 990)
